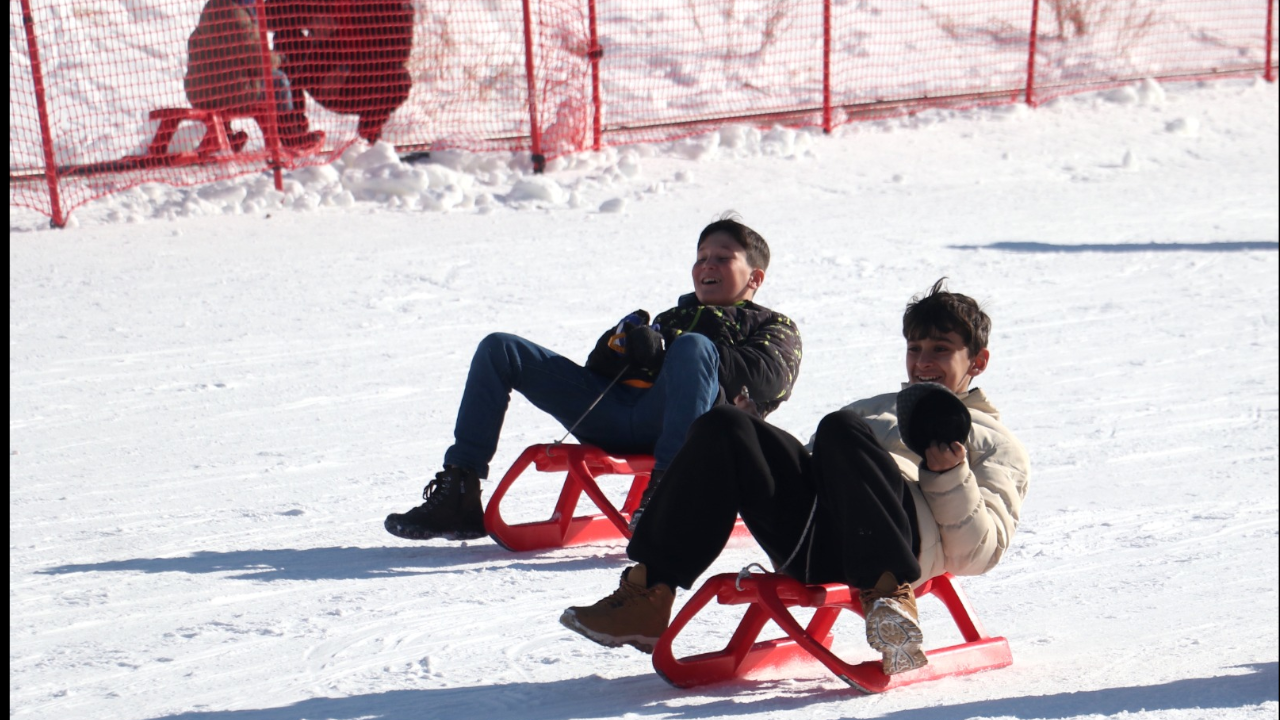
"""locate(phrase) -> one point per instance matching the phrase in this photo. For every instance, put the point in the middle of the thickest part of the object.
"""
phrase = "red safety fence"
(104, 96)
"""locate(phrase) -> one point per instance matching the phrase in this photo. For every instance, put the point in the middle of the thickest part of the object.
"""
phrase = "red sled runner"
(770, 595)
(582, 465)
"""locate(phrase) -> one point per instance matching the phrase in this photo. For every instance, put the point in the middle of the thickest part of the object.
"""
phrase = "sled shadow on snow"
(1224, 692)
(1039, 247)
(637, 696)
(353, 563)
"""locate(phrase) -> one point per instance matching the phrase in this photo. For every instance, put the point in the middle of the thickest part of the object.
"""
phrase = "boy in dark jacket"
(651, 380)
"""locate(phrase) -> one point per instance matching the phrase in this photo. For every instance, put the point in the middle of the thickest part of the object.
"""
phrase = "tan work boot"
(633, 615)
(893, 625)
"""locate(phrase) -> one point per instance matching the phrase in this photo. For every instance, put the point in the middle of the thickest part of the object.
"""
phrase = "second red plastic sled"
(582, 464)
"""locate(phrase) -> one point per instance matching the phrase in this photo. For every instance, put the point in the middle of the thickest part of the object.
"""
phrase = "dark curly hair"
(750, 240)
(940, 311)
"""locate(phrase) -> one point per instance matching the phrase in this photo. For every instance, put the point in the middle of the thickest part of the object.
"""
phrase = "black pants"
(736, 464)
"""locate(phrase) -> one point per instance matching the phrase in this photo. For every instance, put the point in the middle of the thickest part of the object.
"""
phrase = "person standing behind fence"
(224, 69)
(350, 57)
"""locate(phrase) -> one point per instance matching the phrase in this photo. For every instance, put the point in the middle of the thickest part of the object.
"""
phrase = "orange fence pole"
(826, 66)
(594, 53)
(271, 132)
(1031, 53)
(1270, 73)
(535, 132)
(46, 135)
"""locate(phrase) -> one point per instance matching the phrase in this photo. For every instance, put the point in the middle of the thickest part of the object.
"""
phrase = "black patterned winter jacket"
(759, 349)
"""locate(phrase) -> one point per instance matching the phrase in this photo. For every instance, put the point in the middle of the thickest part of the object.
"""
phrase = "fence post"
(46, 135)
(1270, 74)
(535, 132)
(826, 66)
(594, 53)
(271, 133)
(1031, 53)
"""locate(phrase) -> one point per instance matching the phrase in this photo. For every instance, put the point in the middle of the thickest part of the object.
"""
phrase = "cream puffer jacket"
(967, 514)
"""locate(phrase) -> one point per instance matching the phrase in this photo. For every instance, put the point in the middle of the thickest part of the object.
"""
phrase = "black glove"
(644, 347)
(617, 340)
(930, 414)
(609, 357)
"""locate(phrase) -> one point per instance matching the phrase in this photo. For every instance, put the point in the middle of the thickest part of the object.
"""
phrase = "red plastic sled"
(582, 465)
(215, 141)
(770, 595)
(215, 146)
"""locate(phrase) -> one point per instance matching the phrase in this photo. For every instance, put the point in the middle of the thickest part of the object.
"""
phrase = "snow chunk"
(613, 205)
(739, 136)
(697, 148)
(320, 175)
(389, 179)
(537, 189)
(629, 164)
(1122, 95)
(1151, 93)
(380, 154)
(223, 192)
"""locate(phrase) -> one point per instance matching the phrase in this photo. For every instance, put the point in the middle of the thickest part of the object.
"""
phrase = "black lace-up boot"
(452, 509)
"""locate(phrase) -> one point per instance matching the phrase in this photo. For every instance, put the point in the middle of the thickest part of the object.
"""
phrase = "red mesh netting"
(106, 95)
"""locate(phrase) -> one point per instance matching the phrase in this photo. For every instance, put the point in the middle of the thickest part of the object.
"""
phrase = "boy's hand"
(744, 402)
(941, 458)
(644, 347)
(618, 341)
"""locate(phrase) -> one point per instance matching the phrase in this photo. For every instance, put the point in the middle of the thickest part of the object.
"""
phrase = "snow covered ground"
(217, 394)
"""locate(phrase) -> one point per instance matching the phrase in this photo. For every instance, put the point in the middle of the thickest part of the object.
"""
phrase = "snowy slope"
(213, 407)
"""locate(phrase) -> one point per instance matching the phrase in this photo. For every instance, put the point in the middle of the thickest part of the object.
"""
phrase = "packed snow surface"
(217, 394)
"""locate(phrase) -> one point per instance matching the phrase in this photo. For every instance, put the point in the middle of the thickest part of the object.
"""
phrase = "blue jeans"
(626, 420)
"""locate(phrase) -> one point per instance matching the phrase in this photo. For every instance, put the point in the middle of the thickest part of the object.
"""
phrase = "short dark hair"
(940, 311)
(750, 240)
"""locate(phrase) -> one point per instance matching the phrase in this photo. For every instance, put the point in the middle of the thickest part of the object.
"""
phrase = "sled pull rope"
(745, 572)
(593, 405)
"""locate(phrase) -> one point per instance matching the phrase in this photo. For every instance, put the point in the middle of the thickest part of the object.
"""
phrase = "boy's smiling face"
(721, 274)
(943, 358)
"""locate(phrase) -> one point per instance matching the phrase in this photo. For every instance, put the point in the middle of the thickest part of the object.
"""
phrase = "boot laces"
(436, 489)
(627, 591)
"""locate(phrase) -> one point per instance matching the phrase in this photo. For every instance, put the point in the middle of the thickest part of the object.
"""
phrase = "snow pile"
(375, 177)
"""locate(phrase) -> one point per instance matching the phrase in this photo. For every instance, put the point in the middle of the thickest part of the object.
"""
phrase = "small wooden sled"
(769, 596)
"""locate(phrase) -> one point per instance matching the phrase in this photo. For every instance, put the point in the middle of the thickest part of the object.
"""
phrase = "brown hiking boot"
(893, 625)
(633, 615)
